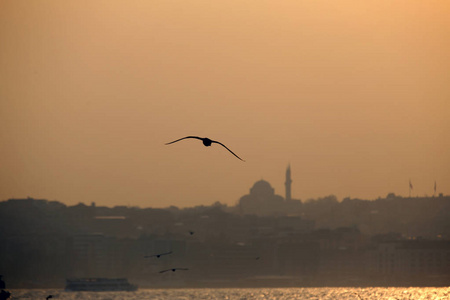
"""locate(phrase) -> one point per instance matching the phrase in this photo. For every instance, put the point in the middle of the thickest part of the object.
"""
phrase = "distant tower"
(288, 183)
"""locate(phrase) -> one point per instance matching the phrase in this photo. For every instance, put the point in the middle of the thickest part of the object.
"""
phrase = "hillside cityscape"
(264, 240)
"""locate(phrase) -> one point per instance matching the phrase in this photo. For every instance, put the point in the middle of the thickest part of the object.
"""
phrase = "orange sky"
(355, 95)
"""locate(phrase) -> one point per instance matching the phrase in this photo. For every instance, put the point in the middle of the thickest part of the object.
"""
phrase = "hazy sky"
(355, 95)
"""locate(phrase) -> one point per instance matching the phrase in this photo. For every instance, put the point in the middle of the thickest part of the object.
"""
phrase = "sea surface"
(245, 293)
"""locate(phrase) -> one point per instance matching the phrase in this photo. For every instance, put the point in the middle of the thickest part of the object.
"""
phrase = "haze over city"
(354, 95)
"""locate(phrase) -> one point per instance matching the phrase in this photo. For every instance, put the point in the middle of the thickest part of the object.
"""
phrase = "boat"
(99, 284)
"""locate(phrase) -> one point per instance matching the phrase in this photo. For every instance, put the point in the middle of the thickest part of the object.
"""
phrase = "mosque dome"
(262, 187)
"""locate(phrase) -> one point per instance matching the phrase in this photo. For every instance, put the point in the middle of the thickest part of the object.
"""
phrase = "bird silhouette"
(191, 232)
(207, 142)
(173, 270)
(158, 255)
(48, 297)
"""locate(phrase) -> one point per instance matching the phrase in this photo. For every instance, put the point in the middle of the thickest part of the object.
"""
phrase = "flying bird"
(173, 270)
(158, 255)
(191, 232)
(207, 142)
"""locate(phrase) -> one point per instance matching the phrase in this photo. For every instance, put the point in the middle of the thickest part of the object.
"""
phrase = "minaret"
(288, 183)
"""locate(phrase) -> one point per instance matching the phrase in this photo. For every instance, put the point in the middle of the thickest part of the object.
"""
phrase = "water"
(244, 294)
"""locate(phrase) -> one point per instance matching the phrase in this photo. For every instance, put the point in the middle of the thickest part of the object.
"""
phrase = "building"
(411, 261)
(288, 183)
(96, 255)
(263, 201)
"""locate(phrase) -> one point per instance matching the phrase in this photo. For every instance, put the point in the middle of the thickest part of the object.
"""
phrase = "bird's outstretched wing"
(186, 137)
(173, 270)
(227, 149)
(158, 255)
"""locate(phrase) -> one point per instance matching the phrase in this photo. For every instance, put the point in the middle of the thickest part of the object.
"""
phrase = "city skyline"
(287, 196)
(354, 95)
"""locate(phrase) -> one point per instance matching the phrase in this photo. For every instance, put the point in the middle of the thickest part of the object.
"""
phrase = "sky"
(354, 95)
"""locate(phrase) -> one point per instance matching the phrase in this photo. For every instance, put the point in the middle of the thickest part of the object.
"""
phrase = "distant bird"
(49, 296)
(207, 142)
(191, 232)
(173, 270)
(158, 255)
(257, 258)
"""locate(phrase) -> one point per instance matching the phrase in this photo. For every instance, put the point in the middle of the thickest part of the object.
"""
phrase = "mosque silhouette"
(263, 201)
